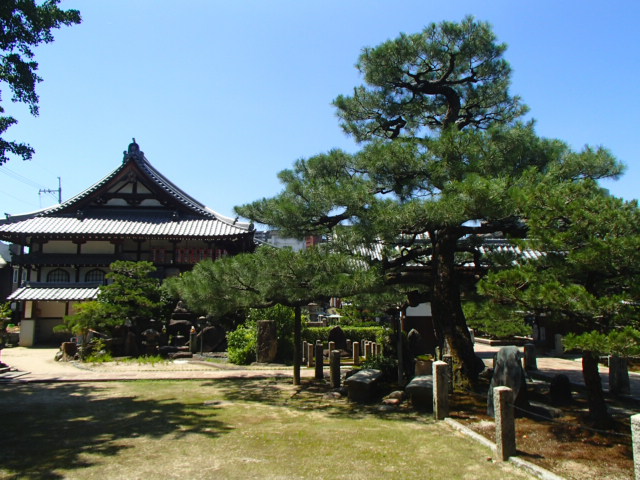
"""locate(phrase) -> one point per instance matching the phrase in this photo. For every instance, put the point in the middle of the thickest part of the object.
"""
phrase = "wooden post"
(505, 422)
(319, 363)
(310, 353)
(619, 376)
(334, 365)
(530, 362)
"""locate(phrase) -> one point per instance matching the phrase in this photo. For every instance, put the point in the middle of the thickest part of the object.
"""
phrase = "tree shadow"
(47, 426)
(311, 395)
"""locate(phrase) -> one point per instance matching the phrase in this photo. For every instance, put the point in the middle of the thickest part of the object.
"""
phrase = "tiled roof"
(57, 293)
(148, 227)
(59, 219)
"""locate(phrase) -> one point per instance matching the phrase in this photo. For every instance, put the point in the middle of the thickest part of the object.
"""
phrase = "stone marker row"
(369, 349)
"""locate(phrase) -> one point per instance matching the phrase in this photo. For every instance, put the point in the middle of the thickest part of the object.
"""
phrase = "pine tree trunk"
(449, 321)
(297, 342)
(595, 395)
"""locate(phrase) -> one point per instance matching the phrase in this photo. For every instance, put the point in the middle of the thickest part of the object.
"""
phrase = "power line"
(20, 178)
(19, 199)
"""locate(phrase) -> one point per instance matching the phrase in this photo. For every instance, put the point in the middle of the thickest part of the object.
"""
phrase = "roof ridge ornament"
(133, 152)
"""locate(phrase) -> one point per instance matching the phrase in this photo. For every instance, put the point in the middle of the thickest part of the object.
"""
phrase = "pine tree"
(272, 276)
(444, 160)
(587, 277)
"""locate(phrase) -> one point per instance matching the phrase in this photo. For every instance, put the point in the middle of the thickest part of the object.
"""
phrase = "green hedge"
(355, 334)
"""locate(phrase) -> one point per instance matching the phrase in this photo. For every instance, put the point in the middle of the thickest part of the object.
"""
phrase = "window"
(94, 276)
(58, 276)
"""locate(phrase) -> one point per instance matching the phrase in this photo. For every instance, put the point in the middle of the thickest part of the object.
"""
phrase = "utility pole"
(58, 191)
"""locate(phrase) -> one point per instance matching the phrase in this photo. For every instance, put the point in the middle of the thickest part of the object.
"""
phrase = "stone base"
(420, 391)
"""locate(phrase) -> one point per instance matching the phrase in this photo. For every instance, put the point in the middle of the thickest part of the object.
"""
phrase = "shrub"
(242, 344)
(98, 352)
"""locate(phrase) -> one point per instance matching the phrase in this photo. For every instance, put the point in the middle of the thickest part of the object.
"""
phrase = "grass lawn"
(223, 429)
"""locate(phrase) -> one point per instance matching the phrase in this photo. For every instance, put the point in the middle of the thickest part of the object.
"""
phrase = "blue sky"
(223, 95)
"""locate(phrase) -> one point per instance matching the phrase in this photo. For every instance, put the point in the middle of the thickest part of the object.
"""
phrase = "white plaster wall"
(98, 247)
(27, 333)
(59, 246)
(51, 309)
(422, 310)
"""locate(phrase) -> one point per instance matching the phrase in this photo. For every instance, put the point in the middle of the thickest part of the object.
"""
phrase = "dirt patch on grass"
(560, 438)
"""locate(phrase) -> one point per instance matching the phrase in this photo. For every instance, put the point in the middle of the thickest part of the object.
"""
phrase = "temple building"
(62, 253)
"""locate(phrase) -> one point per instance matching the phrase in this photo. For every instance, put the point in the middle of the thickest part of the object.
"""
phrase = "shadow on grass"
(50, 426)
(310, 395)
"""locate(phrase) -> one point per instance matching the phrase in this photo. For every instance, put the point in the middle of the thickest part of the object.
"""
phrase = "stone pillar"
(334, 365)
(332, 347)
(305, 351)
(348, 345)
(440, 390)
(530, 362)
(559, 346)
(319, 363)
(356, 353)
(267, 347)
(505, 423)
(310, 353)
(618, 376)
(448, 359)
(635, 435)
(363, 350)
(367, 350)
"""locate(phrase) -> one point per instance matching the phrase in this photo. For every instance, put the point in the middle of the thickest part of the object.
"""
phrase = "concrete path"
(571, 366)
(38, 365)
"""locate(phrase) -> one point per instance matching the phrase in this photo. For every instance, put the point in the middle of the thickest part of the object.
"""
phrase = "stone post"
(334, 365)
(530, 362)
(356, 353)
(348, 345)
(310, 353)
(367, 350)
(448, 359)
(559, 346)
(618, 376)
(363, 350)
(305, 351)
(440, 390)
(332, 347)
(505, 423)
(319, 363)
(635, 435)
(193, 341)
